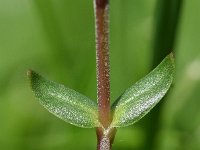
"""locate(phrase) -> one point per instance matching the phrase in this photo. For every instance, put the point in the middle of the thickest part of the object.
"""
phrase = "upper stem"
(102, 61)
(101, 3)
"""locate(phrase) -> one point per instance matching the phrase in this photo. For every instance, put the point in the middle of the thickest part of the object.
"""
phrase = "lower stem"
(105, 139)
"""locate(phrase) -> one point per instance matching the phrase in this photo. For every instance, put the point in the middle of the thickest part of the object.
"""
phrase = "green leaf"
(140, 98)
(64, 103)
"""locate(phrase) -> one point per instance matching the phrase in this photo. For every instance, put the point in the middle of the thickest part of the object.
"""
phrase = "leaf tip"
(32, 77)
(29, 73)
(172, 56)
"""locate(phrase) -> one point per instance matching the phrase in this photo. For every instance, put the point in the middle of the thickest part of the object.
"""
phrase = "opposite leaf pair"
(131, 106)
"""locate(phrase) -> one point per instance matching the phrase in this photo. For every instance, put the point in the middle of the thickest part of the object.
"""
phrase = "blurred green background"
(56, 38)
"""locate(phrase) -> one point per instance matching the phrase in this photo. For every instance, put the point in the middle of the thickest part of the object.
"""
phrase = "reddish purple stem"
(103, 74)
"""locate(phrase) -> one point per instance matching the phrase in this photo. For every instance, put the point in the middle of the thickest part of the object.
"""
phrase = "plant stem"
(103, 74)
(102, 61)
